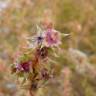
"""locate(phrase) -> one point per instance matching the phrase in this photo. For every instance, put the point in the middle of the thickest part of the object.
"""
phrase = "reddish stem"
(31, 92)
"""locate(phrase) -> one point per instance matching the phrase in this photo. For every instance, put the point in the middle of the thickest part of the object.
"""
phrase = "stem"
(31, 92)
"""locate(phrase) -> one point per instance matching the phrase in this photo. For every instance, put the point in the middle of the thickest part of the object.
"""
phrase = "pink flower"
(24, 66)
(52, 38)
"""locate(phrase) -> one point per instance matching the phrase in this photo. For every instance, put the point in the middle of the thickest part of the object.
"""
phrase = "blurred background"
(74, 17)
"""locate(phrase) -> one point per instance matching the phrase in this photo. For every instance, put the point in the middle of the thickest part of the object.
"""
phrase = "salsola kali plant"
(33, 64)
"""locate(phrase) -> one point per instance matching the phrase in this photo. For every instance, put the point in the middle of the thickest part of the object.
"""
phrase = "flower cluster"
(31, 65)
(47, 38)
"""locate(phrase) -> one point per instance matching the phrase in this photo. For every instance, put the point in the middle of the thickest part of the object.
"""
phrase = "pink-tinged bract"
(52, 38)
